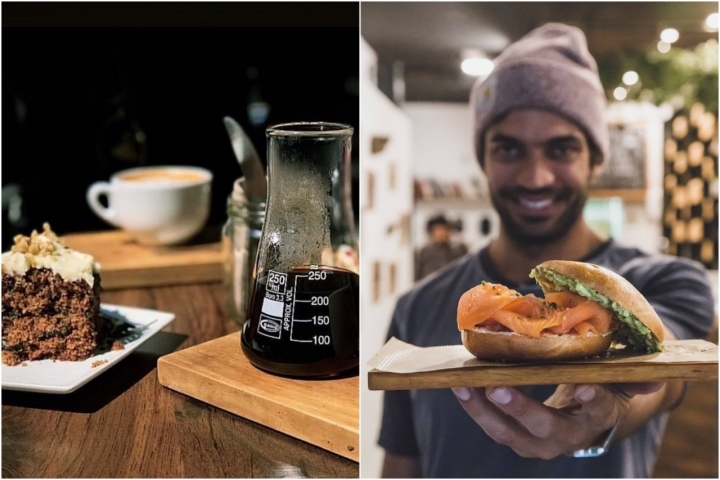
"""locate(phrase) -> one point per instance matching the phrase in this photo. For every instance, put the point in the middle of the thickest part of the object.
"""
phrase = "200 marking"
(320, 301)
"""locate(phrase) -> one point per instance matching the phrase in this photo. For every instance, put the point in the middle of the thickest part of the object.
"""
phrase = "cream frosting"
(45, 250)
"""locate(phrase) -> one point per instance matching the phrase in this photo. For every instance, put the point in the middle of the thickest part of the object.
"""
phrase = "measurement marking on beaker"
(292, 322)
(303, 320)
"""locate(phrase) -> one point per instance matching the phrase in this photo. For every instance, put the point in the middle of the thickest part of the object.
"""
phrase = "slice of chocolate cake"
(50, 301)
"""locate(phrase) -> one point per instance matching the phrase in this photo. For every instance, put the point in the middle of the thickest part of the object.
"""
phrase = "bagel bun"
(514, 347)
(605, 282)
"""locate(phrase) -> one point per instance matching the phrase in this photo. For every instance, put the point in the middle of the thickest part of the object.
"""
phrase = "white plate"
(48, 376)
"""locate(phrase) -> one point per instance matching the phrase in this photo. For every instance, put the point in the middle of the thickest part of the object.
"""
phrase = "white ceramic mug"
(161, 205)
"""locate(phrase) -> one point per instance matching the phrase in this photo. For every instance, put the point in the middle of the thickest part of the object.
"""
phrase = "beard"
(538, 231)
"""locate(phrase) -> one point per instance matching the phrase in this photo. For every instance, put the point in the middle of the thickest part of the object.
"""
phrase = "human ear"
(595, 170)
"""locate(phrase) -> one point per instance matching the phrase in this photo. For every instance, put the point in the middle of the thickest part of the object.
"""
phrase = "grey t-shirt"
(431, 424)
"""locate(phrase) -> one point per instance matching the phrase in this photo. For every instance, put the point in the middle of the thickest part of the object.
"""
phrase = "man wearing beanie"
(540, 136)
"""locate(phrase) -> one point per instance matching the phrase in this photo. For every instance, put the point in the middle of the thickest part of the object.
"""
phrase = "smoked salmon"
(499, 308)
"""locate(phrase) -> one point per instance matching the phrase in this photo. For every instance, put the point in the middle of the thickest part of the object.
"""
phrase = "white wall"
(385, 240)
(442, 143)
(443, 150)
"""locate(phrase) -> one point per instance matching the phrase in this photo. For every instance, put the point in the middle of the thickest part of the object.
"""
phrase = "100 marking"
(321, 339)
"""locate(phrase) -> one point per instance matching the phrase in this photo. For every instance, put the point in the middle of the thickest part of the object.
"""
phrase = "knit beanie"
(549, 69)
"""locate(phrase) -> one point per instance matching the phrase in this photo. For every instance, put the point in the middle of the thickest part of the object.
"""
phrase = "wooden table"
(125, 424)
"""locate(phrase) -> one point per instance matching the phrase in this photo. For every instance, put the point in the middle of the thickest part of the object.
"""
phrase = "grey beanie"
(550, 69)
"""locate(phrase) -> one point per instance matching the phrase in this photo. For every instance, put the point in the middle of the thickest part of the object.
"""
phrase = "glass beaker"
(303, 318)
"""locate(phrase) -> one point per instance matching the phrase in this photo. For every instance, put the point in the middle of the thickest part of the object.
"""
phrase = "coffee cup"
(161, 205)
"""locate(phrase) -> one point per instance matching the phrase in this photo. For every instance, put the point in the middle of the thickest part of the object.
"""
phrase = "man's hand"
(574, 417)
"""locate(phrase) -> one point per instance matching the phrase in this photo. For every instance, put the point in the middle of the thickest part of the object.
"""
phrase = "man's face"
(440, 234)
(538, 169)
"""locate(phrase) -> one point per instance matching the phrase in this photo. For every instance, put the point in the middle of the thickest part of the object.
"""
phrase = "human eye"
(506, 151)
(563, 151)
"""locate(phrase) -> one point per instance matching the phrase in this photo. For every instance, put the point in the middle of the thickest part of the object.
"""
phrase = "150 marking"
(321, 320)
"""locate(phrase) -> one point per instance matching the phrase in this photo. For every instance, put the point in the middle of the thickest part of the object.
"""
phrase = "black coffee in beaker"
(304, 322)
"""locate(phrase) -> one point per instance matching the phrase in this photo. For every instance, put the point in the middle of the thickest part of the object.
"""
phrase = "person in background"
(440, 251)
(540, 136)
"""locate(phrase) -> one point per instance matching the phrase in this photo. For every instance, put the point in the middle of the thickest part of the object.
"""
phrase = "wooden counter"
(125, 424)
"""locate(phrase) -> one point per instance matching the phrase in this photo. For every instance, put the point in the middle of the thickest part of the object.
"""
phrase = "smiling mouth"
(535, 204)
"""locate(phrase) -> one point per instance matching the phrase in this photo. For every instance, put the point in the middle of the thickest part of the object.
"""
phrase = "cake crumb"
(117, 345)
(97, 363)
(23, 364)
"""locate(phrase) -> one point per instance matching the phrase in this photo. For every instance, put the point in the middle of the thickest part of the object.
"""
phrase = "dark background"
(91, 89)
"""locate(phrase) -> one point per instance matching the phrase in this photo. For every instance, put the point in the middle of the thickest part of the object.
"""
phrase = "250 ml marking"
(271, 315)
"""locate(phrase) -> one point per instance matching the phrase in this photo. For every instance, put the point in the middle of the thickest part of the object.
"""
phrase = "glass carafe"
(303, 317)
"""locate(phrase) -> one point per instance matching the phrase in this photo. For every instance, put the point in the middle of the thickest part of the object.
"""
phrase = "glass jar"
(240, 239)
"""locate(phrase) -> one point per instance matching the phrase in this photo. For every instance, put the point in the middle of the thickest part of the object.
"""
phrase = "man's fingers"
(632, 389)
(540, 420)
(498, 426)
(598, 402)
(462, 393)
(534, 429)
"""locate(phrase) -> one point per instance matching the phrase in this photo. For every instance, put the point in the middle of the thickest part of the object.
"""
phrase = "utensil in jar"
(247, 156)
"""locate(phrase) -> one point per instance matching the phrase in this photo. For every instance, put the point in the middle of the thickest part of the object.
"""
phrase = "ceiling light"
(663, 47)
(630, 78)
(669, 35)
(477, 66)
(712, 21)
(620, 93)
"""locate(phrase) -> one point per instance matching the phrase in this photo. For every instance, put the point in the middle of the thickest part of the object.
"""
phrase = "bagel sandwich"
(586, 308)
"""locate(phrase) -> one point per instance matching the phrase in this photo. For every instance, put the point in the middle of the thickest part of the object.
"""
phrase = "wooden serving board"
(324, 413)
(452, 366)
(126, 264)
